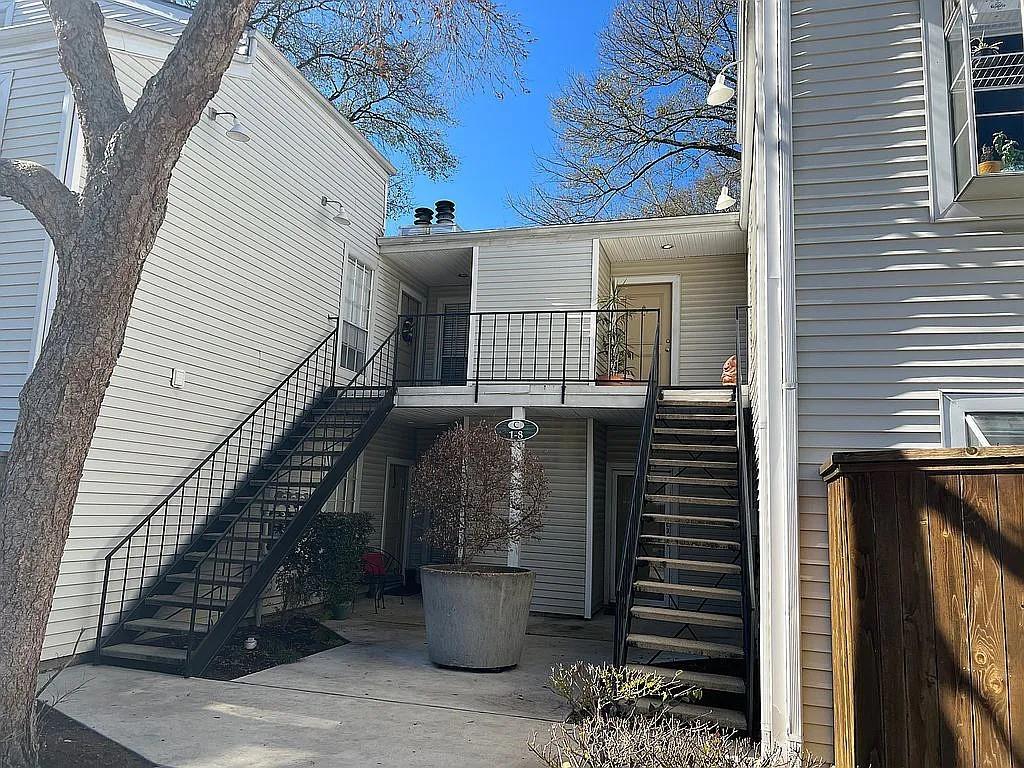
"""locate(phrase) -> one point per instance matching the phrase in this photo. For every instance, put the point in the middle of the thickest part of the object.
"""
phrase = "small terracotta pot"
(615, 379)
(989, 166)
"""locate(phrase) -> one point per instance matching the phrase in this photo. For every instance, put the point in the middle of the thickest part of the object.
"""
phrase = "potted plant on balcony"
(1010, 152)
(477, 493)
(614, 354)
(987, 162)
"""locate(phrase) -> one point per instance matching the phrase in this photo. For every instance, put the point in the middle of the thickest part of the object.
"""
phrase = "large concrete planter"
(476, 615)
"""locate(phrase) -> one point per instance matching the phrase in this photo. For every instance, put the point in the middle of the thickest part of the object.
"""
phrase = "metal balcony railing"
(545, 347)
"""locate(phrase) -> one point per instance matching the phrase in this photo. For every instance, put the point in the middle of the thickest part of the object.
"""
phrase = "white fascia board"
(709, 223)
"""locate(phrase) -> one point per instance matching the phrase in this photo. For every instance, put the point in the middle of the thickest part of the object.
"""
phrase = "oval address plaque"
(516, 429)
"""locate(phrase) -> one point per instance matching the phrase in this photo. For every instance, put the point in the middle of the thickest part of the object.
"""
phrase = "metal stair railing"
(747, 517)
(627, 569)
(365, 402)
(133, 567)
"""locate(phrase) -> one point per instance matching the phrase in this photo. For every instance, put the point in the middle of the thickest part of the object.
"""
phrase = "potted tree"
(326, 564)
(614, 354)
(477, 493)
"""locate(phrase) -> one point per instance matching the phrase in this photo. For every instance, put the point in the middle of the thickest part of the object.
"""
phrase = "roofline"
(715, 222)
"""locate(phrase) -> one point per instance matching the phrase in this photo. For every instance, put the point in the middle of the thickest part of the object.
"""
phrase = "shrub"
(602, 690)
(326, 564)
(477, 492)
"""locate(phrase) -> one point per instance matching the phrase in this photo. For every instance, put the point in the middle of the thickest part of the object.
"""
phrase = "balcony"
(554, 352)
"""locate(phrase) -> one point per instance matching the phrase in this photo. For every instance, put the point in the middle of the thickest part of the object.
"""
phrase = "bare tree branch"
(85, 59)
(42, 194)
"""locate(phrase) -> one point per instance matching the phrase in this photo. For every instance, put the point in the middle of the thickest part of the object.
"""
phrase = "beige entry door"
(640, 334)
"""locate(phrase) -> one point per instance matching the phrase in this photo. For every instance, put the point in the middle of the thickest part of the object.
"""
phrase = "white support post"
(518, 412)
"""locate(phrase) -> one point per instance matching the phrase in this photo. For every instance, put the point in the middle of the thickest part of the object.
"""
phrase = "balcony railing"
(548, 347)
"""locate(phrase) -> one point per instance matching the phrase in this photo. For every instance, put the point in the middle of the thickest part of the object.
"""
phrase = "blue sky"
(496, 141)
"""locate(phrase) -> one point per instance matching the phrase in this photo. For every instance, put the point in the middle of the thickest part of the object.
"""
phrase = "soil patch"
(280, 642)
(66, 743)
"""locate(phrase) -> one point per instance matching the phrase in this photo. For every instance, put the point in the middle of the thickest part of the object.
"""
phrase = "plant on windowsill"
(987, 162)
(1010, 152)
(614, 353)
(326, 564)
(477, 493)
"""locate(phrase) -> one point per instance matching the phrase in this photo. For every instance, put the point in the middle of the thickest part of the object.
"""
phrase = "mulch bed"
(280, 642)
(66, 743)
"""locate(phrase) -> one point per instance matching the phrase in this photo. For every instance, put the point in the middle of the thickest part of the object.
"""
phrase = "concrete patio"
(375, 701)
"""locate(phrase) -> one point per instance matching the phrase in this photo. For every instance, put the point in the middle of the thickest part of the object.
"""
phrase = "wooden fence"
(927, 585)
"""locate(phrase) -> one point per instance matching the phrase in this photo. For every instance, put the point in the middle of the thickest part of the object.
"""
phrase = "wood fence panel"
(927, 584)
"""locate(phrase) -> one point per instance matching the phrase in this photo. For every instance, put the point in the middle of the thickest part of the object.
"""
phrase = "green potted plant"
(987, 162)
(615, 356)
(326, 564)
(1010, 152)
(477, 493)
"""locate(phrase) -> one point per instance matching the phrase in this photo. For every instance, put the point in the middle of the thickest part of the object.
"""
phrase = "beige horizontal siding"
(891, 307)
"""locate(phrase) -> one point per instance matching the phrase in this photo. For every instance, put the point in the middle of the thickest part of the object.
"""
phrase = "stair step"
(721, 417)
(693, 463)
(672, 400)
(185, 601)
(672, 498)
(681, 645)
(163, 625)
(700, 566)
(662, 446)
(262, 519)
(681, 480)
(676, 616)
(264, 501)
(689, 590)
(723, 522)
(137, 652)
(688, 541)
(703, 680)
(243, 539)
(724, 717)
(219, 581)
(237, 559)
(694, 431)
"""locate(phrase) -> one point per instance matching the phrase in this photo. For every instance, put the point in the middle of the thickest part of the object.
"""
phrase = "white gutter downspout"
(777, 384)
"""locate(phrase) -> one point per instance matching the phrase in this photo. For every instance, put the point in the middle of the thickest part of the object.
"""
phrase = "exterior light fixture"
(721, 92)
(341, 217)
(725, 200)
(236, 132)
(667, 247)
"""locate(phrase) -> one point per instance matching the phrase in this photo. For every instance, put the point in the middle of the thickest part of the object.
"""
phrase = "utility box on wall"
(926, 555)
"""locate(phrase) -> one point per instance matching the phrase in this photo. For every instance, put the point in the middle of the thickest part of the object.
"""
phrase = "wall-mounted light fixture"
(725, 200)
(236, 132)
(341, 217)
(721, 92)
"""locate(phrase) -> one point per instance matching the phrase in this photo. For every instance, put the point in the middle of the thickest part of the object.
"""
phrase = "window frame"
(365, 268)
(958, 407)
(6, 13)
(981, 197)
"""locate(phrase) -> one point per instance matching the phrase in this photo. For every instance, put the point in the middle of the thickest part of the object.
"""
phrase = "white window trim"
(956, 408)
(6, 13)
(371, 303)
(6, 80)
(941, 164)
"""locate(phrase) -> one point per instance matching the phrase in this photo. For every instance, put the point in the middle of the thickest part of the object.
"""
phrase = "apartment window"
(984, 51)
(355, 314)
(982, 419)
(6, 12)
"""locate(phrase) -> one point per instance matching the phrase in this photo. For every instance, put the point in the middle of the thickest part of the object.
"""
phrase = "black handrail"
(631, 545)
(543, 347)
(749, 602)
(226, 469)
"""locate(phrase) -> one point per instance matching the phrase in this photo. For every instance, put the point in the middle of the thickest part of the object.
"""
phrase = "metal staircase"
(686, 595)
(175, 588)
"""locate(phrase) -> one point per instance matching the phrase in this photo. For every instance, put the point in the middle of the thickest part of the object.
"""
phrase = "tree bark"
(102, 238)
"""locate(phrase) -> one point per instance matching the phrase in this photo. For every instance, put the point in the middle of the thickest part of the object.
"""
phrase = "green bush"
(326, 564)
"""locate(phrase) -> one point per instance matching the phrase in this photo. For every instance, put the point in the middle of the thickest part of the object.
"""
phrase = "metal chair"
(381, 571)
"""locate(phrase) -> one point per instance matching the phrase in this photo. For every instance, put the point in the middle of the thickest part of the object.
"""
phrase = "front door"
(394, 539)
(640, 333)
(454, 344)
(409, 339)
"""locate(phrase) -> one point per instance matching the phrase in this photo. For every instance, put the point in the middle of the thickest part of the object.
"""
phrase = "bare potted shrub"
(477, 493)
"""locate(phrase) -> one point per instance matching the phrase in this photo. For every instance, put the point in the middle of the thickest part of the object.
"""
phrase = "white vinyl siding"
(392, 440)
(6, 12)
(600, 482)
(891, 307)
(705, 319)
(239, 287)
(32, 127)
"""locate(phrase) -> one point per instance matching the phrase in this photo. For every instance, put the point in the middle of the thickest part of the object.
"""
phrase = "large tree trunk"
(59, 406)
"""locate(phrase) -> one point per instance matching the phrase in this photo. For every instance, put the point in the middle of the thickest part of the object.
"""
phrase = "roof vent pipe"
(445, 213)
(423, 217)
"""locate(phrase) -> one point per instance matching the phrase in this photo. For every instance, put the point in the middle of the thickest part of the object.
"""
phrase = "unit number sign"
(516, 429)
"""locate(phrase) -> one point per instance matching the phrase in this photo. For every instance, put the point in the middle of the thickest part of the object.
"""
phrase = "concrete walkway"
(376, 701)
